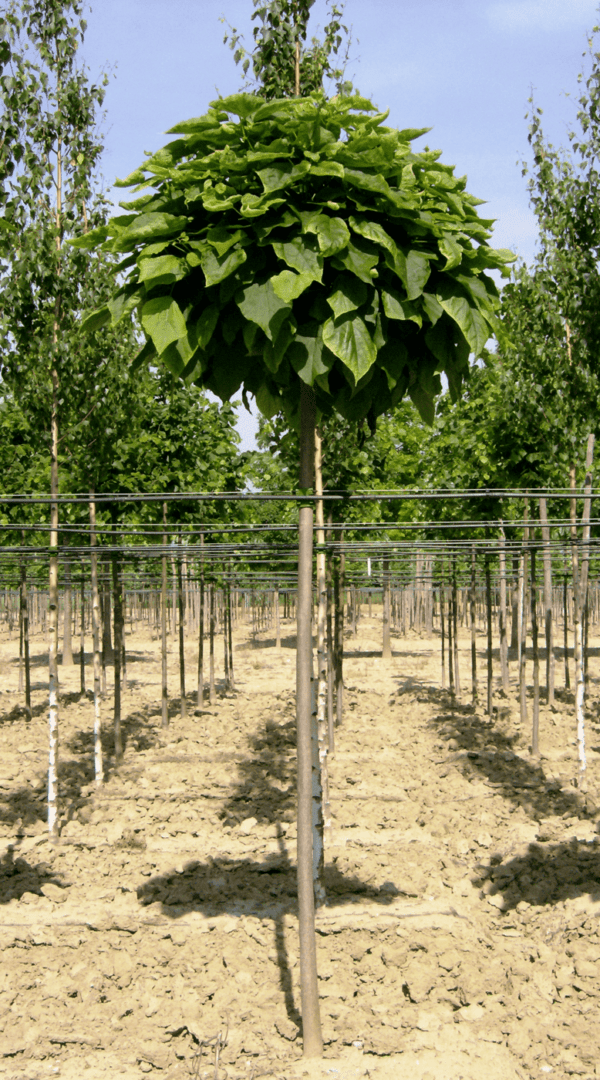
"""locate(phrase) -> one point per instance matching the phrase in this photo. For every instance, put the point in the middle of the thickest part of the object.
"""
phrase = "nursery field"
(460, 938)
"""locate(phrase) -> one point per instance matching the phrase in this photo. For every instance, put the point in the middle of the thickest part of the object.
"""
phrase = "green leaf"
(145, 354)
(146, 227)
(277, 177)
(396, 307)
(261, 305)
(413, 269)
(424, 402)
(349, 295)
(470, 321)
(222, 239)
(273, 353)
(163, 321)
(372, 230)
(360, 263)
(123, 302)
(217, 268)
(89, 241)
(332, 233)
(163, 270)
(431, 307)
(451, 250)
(96, 319)
(288, 285)
(300, 256)
(306, 353)
(269, 404)
(206, 324)
(242, 105)
(351, 342)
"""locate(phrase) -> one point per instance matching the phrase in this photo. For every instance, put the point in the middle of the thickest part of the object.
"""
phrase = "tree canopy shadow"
(547, 874)
(19, 876)
(262, 886)
(266, 889)
(490, 753)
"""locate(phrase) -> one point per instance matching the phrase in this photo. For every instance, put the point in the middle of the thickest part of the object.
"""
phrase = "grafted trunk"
(311, 1021)
(535, 729)
(181, 609)
(548, 623)
(200, 695)
(163, 625)
(338, 586)
(455, 629)
(488, 601)
(211, 647)
(472, 600)
(82, 635)
(67, 652)
(118, 653)
(98, 768)
(323, 823)
(386, 652)
(25, 634)
(503, 614)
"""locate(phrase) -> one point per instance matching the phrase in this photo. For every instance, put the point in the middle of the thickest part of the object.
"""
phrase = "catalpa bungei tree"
(304, 241)
(300, 250)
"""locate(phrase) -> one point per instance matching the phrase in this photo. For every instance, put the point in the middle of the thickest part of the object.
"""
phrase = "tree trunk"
(548, 626)
(82, 634)
(566, 634)
(330, 643)
(324, 820)
(200, 695)
(338, 585)
(98, 768)
(229, 635)
(163, 625)
(311, 1021)
(67, 653)
(443, 635)
(515, 621)
(473, 629)
(117, 654)
(53, 747)
(503, 614)
(277, 619)
(181, 608)
(488, 601)
(211, 646)
(386, 651)
(25, 634)
(523, 618)
(535, 729)
(455, 630)
(580, 572)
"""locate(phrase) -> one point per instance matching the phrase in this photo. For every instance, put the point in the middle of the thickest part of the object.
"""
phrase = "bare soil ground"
(461, 935)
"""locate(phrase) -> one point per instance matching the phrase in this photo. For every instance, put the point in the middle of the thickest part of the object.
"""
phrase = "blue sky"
(463, 67)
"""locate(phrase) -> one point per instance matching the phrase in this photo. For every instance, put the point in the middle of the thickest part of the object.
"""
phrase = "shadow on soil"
(489, 751)
(18, 876)
(547, 874)
(265, 888)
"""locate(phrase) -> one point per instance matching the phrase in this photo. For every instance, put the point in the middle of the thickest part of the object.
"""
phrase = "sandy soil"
(461, 935)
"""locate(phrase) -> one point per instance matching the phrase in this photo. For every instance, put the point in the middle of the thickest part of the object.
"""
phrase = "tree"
(303, 252)
(48, 152)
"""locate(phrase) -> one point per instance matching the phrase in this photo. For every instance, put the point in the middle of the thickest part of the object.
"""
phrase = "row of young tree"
(292, 247)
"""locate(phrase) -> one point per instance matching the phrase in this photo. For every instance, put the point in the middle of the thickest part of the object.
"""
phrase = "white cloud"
(542, 15)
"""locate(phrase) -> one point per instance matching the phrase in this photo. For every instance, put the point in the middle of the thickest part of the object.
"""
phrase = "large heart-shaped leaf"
(349, 340)
(350, 293)
(163, 321)
(261, 305)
